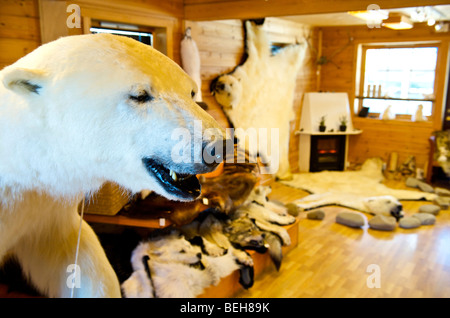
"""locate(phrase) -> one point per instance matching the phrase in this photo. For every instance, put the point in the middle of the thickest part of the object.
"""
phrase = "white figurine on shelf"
(418, 116)
(387, 114)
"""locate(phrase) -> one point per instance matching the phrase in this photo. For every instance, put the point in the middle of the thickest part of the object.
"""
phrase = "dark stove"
(327, 152)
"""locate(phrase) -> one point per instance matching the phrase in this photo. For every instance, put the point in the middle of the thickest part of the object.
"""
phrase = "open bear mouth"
(198, 265)
(182, 185)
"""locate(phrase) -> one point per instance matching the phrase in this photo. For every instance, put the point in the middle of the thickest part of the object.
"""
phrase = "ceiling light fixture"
(441, 27)
(371, 16)
(398, 22)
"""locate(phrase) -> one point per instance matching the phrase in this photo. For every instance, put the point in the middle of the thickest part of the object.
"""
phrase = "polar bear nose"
(397, 212)
(220, 86)
(214, 152)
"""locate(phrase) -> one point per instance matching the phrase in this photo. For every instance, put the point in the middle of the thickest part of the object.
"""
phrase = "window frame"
(359, 96)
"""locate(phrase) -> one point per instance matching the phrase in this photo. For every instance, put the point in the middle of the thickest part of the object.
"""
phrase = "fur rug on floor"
(349, 188)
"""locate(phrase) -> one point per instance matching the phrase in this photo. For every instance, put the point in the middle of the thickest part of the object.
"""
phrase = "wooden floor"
(333, 260)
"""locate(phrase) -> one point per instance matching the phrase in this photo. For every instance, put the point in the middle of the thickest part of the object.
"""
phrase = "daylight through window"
(400, 77)
(144, 37)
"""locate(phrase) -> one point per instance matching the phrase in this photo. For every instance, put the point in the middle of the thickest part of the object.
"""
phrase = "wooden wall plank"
(21, 8)
(53, 20)
(19, 27)
(13, 49)
(172, 8)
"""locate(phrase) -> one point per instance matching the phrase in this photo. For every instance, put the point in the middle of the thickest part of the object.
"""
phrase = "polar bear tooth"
(173, 175)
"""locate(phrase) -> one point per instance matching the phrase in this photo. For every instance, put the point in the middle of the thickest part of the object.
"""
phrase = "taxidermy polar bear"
(77, 112)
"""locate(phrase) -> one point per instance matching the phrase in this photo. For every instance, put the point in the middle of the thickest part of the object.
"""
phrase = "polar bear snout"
(397, 211)
(213, 154)
(386, 205)
(227, 90)
(179, 180)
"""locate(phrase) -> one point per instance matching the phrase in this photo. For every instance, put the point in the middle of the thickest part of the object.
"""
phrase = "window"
(144, 37)
(400, 77)
(158, 33)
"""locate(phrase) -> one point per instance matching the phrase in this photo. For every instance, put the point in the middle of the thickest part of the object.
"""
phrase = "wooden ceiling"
(202, 10)
(439, 13)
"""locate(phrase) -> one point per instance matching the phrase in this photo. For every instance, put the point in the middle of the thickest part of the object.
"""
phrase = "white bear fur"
(385, 205)
(366, 182)
(362, 189)
(260, 93)
(67, 124)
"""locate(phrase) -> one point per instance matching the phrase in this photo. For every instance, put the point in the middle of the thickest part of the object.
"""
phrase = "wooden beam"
(53, 18)
(198, 10)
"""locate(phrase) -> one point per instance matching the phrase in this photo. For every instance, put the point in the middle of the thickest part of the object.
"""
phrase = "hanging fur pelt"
(259, 94)
(190, 61)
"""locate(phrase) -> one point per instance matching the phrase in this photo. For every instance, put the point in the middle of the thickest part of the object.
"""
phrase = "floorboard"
(333, 260)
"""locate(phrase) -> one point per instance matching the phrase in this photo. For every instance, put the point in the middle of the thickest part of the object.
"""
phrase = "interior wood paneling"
(19, 29)
(250, 9)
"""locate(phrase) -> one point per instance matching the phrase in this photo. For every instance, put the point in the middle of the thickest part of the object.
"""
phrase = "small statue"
(387, 114)
(419, 114)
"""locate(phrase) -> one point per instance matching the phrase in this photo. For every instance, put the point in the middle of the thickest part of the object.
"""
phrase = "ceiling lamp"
(374, 16)
(398, 22)
(441, 27)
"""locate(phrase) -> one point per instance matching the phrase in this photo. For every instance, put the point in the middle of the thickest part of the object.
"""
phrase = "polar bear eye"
(142, 97)
(192, 93)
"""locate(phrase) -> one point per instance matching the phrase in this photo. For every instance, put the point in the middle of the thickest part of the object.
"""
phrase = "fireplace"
(324, 150)
(327, 153)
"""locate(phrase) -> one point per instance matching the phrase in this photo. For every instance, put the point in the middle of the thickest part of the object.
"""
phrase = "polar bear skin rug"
(77, 112)
(259, 94)
(360, 190)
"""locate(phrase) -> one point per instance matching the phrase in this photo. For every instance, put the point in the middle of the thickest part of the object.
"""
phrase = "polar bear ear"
(23, 81)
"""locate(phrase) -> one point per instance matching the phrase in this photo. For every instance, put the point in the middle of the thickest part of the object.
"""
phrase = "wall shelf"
(149, 223)
(402, 99)
(329, 133)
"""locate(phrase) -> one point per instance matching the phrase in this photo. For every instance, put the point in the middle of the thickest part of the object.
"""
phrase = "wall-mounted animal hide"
(190, 61)
(259, 93)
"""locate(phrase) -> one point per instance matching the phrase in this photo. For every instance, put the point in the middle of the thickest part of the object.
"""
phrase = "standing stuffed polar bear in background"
(75, 113)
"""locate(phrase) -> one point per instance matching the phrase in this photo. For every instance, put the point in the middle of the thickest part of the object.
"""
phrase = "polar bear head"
(386, 205)
(227, 90)
(87, 109)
